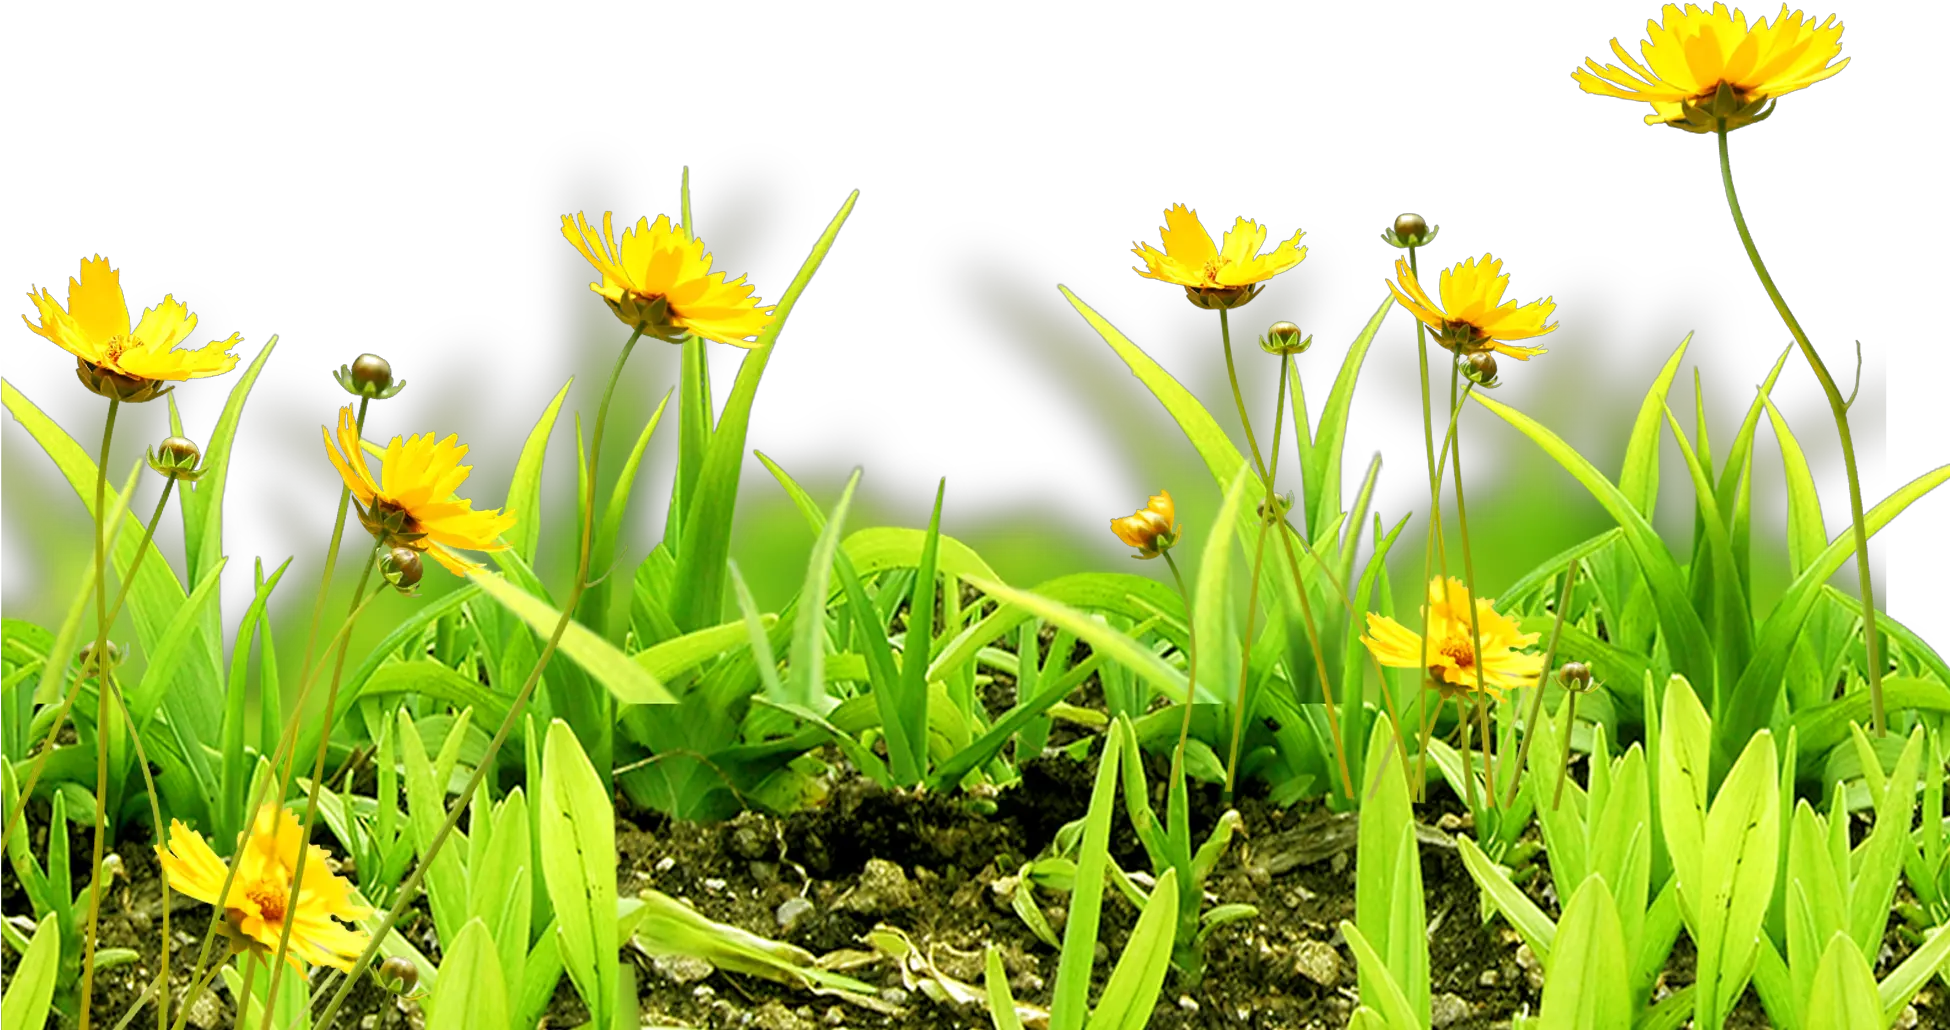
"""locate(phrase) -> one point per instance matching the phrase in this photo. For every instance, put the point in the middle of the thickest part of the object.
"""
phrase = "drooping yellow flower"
(1225, 276)
(417, 507)
(1451, 653)
(659, 277)
(1701, 67)
(1153, 529)
(115, 359)
(1473, 316)
(261, 897)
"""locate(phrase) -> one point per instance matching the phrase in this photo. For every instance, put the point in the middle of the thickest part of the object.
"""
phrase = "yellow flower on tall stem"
(262, 898)
(1473, 317)
(115, 359)
(1450, 653)
(1223, 276)
(1701, 67)
(658, 278)
(416, 507)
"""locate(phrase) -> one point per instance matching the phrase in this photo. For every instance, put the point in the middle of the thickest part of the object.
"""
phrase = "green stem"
(331, 556)
(291, 898)
(1469, 581)
(1434, 545)
(74, 689)
(1543, 677)
(98, 657)
(1839, 408)
(1239, 399)
(1267, 517)
(1191, 665)
(515, 708)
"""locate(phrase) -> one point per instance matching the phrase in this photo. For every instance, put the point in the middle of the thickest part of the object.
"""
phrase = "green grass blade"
(202, 501)
(1523, 915)
(628, 681)
(1638, 479)
(1686, 640)
(525, 489)
(699, 595)
(1321, 467)
(1843, 994)
(230, 802)
(1070, 999)
(912, 711)
(167, 657)
(469, 992)
(1582, 990)
(602, 553)
(1735, 492)
(1131, 993)
(578, 838)
(1807, 535)
(805, 683)
(1728, 619)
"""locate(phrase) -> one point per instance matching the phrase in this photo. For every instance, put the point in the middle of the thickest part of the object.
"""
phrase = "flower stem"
(1435, 546)
(1267, 516)
(1840, 410)
(98, 657)
(292, 897)
(1191, 663)
(1469, 581)
(515, 708)
(1543, 677)
(331, 555)
(1239, 399)
(74, 690)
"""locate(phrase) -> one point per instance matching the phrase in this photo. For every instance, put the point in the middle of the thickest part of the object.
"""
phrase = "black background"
(422, 221)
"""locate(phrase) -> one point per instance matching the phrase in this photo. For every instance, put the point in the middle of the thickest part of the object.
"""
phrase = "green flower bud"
(1575, 676)
(1479, 368)
(369, 376)
(402, 568)
(176, 458)
(1284, 338)
(1410, 230)
(86, 656)
(399, 975)
(116, 386)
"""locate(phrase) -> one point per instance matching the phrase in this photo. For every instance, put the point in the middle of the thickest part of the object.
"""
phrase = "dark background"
(428, 227)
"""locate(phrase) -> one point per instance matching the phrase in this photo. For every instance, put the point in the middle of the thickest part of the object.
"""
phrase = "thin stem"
(155, 816)
(1239, 399)
(287, 741)
(1469, 577)
(515, 708)
(98, 657)
(317, 782)
(1266, 519)
(1570, 720)
(1191, 662)
(1434, 544)
(1543, 677)
(1839, 408)
(244, 996)
(331, 554)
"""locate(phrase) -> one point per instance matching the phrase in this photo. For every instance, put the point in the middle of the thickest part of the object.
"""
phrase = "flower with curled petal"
(1473, 316)
(416, 506)
(114, 358)
(1451, 651)
(658, 278)
(1223, 276)
(1153, 529)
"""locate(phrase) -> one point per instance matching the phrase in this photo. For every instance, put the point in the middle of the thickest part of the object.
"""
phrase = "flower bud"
(1284, 338)
(402, 568)
(1409, 230)
(176, 458)
(369, 376)
(86, 656)
(1575, 676)
(399, 975)
(1479, 368)
(1282, 503)
(1153, 529)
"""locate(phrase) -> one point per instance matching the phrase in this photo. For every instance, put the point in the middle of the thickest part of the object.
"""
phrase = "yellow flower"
(1224, 276)
(1451, 654)
(1152, 530)
(1703, 67)
(417, 507)
(660, 278)
(260, 900)
(1473, 316)
(116, 360)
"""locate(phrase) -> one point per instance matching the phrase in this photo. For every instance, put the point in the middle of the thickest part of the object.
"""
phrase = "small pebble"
(1445, 1009)
(835, 1016)
(682, 969)
(1317, 961)
(1488, 979)
(666, 864)
(1188, 1003)
(791, 912)
(894, 995)
(714, 884)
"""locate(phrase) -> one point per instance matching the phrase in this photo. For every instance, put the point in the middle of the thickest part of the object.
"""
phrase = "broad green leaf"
(578, 838)
(1524, 916)
(1727, 618)
(1638, 479)
(699, 596)
(1685, 636)
(426, 793)
(1212, 592)
(672, 658)
(1737, 867)
(1685, 750)
(1378, 988)
(146, 699)
(1131, 993)
(31, 989)
(525, 490)
(1807, 535)
(1843, 994)
(470, 992)
(1582, 989)
(628, 681)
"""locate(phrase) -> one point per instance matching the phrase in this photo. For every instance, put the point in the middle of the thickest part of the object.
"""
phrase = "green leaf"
(1638, 480)
(1738, 863)
(629, 681)
(1685, 636)
(1212, 591)
(1582, 989)
(1114, 644)
(1685, 750)
(578, 838)
(1843, 994)
(1906, 979)
(1131, 993)
(1728, 619)
(1002, 1003)
(673, 658)
(470, 992)
(31, 990)
(805, 684)
(912, 709)
(1807, 535)
(1735, 492)
(525, 489)
(1070, 998)
(1378, 987)
(201, 502)
(698, 599)
(1524, 916)
(1320, 462)
(167, 656)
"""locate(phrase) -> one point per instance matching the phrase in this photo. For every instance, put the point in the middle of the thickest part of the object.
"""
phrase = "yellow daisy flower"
(659, 277)
(1473, 316)
(1451, 654)
(1153, 529)
(1701, 67)
(417, 508)
(114, 359)
(1225, 276)
(261, 897)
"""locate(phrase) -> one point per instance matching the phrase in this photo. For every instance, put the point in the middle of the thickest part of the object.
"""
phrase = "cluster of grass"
(464, 771)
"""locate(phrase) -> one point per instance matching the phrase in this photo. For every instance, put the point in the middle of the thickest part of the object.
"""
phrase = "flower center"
(269, 900)
(114, 348)
(1457, 650)
(1212, 267)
